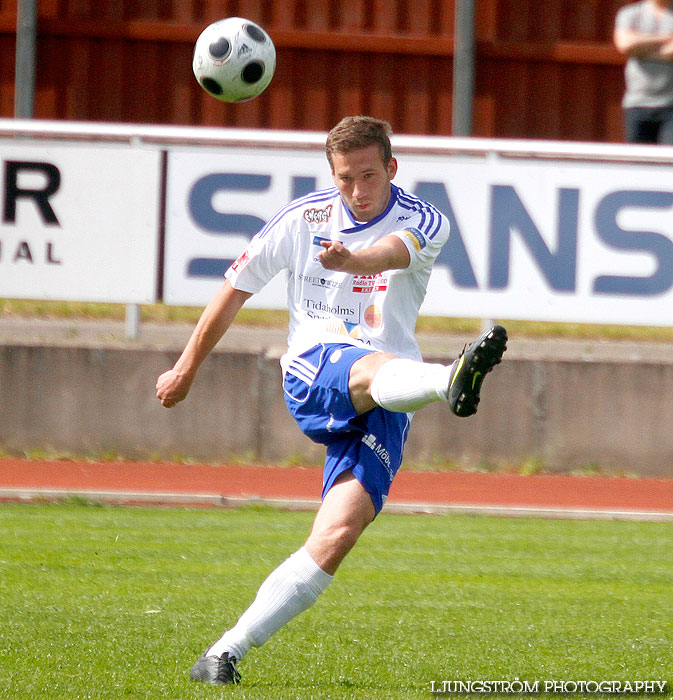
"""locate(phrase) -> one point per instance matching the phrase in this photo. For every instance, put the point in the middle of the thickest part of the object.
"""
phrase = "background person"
(644, 32)
(359, 256)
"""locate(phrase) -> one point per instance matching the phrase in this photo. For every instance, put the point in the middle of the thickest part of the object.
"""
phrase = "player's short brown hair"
(353, 133)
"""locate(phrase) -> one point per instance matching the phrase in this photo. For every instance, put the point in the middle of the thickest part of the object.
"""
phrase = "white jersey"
(377, 311)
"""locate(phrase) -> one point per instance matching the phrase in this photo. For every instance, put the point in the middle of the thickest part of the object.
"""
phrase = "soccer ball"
(234, 59)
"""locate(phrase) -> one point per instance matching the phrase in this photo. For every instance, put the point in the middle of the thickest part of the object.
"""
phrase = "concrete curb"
(148, 498)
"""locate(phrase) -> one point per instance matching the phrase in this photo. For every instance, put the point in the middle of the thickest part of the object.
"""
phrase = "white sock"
(404, 386)
(290, 589)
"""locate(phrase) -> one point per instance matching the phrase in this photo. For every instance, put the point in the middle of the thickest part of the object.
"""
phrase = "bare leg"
(397, 384)
(360, 380)
(344, 514)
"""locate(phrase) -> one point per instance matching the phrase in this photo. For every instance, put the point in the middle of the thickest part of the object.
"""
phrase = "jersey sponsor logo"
(373, 317)
(241, 261)
(416, 237)
(336, 326)
(366, 284)
(372, 442)
(318, 216)
(320, 282)
(312, 305)
(403, 218)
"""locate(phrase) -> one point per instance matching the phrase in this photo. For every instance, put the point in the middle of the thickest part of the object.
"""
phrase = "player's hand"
(172, 387)
(335, 255)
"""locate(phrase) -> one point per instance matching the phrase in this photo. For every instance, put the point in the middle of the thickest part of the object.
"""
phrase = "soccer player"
(359, 256)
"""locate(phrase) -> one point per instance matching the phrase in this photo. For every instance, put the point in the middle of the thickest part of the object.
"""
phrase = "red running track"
(295, 483)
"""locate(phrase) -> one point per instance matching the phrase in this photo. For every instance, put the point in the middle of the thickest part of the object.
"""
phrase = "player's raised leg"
(404, 385)
(474, 363)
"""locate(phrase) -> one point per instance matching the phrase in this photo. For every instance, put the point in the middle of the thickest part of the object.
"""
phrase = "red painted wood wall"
(545, 69)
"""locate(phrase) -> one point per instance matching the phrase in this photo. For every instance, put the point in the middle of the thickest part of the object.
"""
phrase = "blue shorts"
(371, 444)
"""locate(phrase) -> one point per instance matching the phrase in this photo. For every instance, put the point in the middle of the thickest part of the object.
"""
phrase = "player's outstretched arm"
(173, 386)
(389, 253)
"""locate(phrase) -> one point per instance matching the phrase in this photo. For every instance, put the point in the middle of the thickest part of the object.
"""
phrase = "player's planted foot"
(216, 670)
(474, 363)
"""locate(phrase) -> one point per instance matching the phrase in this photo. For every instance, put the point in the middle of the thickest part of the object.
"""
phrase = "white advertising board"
(216, 201)
(532, 239)
(79, 222)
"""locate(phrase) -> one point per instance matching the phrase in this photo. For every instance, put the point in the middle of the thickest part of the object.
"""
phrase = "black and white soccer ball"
(234, 59)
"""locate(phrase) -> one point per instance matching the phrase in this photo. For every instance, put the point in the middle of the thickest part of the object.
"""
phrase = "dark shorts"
(649, 124)
(371, 444)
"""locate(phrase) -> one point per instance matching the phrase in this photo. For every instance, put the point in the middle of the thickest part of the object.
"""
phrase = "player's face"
(363, 181)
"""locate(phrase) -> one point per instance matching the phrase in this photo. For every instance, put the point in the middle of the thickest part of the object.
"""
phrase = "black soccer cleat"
(474, 363)
(216, 670)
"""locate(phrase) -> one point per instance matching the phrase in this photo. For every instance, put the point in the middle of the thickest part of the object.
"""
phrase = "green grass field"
(105, 602)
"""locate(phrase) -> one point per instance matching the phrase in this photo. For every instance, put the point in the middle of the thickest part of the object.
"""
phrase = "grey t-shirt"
(649, 83)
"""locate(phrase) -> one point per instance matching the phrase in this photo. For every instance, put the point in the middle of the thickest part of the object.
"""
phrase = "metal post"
(463, 67)
(24, 75)
(132, 324)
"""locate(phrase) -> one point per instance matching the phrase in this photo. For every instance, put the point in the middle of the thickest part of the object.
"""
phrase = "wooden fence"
(544, 69)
